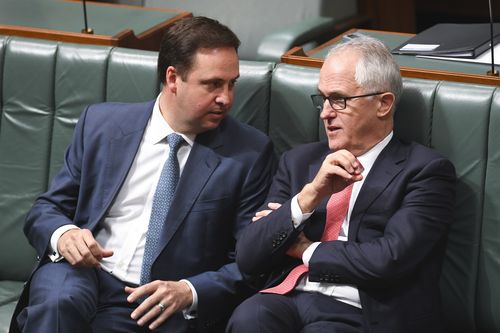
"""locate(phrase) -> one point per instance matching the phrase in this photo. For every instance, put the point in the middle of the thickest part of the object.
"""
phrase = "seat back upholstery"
(44, 86)
(488, 302)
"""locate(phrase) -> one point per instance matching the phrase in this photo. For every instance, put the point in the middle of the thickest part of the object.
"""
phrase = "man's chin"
(334, 144)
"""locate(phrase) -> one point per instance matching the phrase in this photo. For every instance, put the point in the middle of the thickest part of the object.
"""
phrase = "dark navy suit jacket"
(395, 241)
(225, 180)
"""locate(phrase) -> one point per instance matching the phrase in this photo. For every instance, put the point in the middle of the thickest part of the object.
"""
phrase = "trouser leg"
(263, 313)
(62, 299)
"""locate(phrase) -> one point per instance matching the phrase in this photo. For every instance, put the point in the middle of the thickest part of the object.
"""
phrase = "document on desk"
(483, 58)
(467, 40)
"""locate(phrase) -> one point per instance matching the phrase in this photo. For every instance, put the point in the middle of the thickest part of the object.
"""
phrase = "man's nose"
(225, 96)
(327, 112)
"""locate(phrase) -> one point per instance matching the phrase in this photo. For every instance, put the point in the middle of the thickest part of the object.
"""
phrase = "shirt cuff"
(190, 313)
(297, 216)
(306, 256)
(54, 239)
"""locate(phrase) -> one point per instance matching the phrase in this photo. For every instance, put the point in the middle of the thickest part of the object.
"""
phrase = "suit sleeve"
(220, 291)
(263, 244)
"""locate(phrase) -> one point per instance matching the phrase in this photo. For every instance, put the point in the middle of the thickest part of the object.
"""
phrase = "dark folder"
(451, 40)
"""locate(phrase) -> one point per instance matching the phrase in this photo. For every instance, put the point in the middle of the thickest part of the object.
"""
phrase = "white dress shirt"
(345, 293)
(125, 226)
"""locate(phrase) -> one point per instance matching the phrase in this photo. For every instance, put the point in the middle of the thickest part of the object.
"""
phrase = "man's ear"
(171, 79)
(387, 101)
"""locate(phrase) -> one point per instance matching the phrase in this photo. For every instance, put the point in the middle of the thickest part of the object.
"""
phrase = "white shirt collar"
(160, 129)
(368, 159)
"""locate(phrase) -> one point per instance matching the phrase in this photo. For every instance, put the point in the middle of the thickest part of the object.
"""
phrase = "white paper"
(419, 47)
(483, 58)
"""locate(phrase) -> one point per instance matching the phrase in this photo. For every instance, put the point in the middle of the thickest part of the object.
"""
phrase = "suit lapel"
(200, 165)
(122, 148)
(387, 166)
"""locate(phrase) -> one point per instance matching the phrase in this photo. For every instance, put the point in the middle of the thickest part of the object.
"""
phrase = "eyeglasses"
(337, 103)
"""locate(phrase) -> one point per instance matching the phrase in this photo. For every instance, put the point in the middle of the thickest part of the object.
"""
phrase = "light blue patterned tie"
(162, 199)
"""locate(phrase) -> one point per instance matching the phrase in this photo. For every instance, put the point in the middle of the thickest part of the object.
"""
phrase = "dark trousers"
(67, 299)
(296, 312)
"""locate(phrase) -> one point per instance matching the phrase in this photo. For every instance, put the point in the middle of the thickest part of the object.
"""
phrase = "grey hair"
(376, 69)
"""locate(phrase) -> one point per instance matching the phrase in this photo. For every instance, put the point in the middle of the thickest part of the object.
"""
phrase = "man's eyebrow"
(212, 80)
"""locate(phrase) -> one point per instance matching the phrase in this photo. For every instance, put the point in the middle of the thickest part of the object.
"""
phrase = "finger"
(263, 213)
(149, 313)
(260, 214)
(66, 247)
(92, 245)
(72, 254)
(95, 248)
(274, 205)
(149, 308)
(148, 290)
(341, 173)
(164, 315)
(345, 159)
(130, 290)
(86, 257)
(136, 293)
(67, 253)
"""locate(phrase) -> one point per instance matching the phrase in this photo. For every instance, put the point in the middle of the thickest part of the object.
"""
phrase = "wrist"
(307, 199)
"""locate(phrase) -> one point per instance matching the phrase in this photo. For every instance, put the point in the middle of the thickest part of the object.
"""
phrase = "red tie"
(336, 211)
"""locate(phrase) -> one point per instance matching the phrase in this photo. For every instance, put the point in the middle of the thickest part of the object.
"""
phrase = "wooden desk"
(410, 66)
(114, 25)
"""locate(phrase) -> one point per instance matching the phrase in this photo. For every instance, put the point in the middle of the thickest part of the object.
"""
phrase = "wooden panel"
(108, 29)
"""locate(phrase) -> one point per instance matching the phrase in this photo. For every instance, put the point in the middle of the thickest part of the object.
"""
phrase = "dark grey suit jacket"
(396, 235)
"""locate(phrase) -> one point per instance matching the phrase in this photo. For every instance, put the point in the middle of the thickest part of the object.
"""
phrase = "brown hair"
(185, 37)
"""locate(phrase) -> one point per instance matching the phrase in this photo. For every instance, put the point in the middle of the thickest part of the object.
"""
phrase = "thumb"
(105, 252)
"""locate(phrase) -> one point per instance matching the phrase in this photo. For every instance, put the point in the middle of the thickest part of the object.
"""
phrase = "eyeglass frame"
(344, 98)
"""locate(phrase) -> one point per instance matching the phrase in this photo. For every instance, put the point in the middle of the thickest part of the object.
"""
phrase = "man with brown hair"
(137, 230)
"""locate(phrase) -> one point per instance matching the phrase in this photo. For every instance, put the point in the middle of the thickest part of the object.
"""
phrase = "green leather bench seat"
(45, 85)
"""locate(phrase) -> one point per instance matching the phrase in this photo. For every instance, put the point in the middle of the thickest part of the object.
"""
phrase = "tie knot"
(174, 141)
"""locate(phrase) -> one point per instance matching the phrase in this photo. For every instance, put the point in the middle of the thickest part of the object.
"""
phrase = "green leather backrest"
(293, 120)
(26, 125)
(460, 131)
(253, 94)
(488, 300)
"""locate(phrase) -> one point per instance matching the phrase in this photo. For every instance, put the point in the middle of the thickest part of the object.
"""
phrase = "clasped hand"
(339, 169)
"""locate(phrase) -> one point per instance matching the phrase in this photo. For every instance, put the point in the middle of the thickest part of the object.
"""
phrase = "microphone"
(86, 30)
(493, 71)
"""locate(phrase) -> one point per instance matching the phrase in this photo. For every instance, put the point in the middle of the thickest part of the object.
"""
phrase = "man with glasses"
(353, 236)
